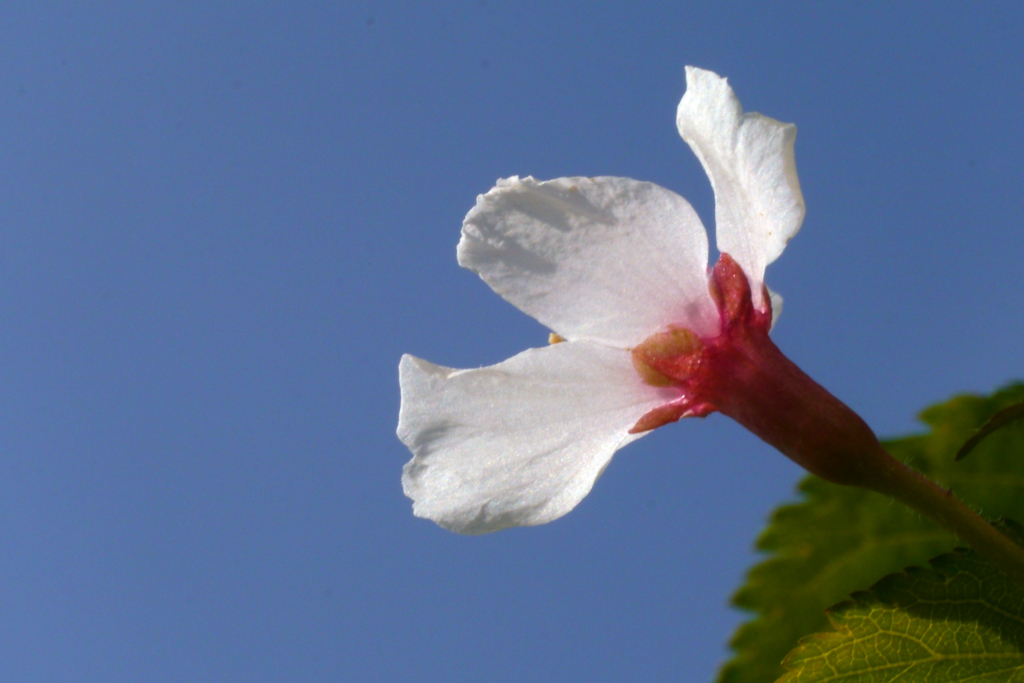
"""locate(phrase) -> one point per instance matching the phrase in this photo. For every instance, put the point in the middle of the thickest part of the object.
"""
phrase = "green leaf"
(838, 539)
(962, 620)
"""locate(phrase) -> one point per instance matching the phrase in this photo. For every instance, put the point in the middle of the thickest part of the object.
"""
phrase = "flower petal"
(749, 158)
(518, 443)
(611, 260)
(775, 301)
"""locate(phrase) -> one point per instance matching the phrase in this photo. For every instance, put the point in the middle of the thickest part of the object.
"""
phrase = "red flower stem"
(769, 395)
(741, 373)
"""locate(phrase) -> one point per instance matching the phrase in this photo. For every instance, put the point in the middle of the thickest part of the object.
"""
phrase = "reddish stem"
(742, 374)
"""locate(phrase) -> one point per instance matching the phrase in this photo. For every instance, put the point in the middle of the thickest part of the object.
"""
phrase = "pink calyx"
(679, 358)
(742, 374)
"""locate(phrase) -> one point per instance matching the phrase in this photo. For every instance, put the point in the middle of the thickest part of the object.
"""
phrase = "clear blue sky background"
(221, 224)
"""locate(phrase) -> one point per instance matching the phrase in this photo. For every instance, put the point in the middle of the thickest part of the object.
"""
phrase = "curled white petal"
(775, 301)
(749, 158)
(518, 443)
(611, 260)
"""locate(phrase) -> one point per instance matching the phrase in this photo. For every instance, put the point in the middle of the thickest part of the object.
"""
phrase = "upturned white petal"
(611, 260)
(749, 158)
(518, 443)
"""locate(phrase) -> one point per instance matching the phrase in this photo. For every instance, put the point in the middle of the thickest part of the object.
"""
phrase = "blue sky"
(221, 225)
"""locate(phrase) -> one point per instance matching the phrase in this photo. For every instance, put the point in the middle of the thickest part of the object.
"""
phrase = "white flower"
(606, 263)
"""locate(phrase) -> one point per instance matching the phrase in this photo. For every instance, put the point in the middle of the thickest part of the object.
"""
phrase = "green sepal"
(1001, 419)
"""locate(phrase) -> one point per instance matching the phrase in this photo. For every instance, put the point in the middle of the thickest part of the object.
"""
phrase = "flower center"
(742, 374)
(679, 358)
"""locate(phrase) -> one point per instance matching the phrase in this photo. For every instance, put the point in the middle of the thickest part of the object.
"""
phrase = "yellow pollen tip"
(555, 338)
